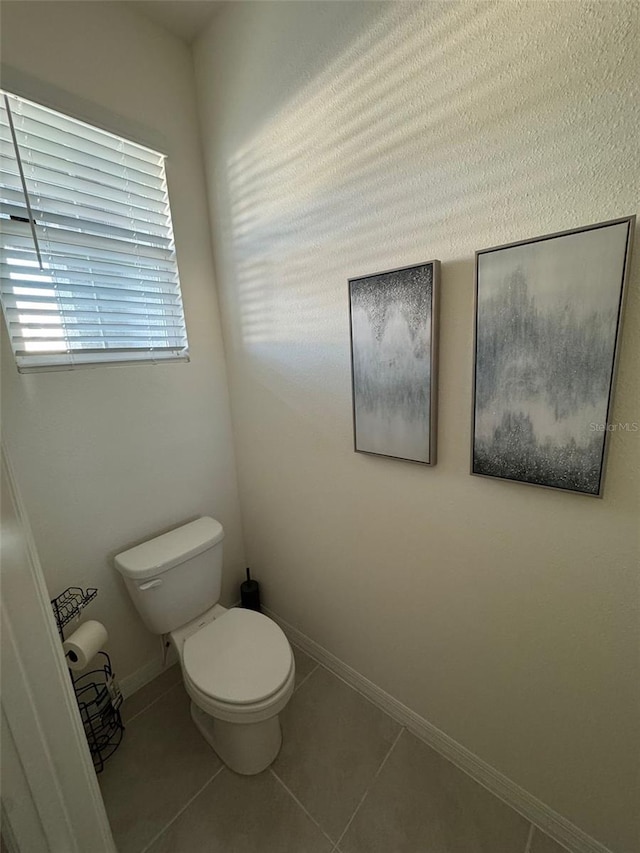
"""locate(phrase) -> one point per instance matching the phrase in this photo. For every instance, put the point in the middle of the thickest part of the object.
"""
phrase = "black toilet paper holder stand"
(97, 692)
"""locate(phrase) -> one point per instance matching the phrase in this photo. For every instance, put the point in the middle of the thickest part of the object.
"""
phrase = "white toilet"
(237, 665)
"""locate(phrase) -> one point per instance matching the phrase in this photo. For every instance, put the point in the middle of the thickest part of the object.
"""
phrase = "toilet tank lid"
(164, 552)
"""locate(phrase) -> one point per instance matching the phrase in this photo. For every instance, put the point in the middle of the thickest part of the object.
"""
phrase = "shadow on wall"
(416, 142)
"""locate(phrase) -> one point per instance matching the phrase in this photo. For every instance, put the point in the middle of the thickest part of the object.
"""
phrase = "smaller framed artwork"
(394, 349)
(547, 329)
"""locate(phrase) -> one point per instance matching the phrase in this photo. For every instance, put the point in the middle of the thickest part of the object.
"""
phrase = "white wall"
(345, 138)
(108, 457)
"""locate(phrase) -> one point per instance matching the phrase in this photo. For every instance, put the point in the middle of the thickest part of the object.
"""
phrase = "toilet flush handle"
(151, 584)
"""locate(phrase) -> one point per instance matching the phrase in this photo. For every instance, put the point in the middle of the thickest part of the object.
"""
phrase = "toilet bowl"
(239, 671)
(237, 665)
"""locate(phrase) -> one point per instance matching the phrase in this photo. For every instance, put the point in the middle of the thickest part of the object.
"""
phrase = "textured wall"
(345, 138)
(105, 458)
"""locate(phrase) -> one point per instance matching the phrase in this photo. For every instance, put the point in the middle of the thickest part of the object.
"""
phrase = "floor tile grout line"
(183, 809)
(368, 699)
(527, 847)
(370, 785)
(298, 803)
(306, 678)
(153, 702)
(359, 691)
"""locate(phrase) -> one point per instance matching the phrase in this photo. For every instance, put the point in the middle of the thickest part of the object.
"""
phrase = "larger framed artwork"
(394, 362)
(547, 327)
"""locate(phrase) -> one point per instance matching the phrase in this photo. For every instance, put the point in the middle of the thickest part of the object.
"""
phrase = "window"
(88, 271)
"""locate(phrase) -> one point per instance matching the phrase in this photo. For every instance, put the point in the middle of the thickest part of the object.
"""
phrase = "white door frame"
(50, 794)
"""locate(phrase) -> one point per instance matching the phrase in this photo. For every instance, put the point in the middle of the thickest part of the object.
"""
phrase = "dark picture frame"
(393, 317)
(548, 314)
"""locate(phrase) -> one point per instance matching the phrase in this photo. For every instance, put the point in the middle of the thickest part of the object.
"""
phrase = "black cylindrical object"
(250, 593)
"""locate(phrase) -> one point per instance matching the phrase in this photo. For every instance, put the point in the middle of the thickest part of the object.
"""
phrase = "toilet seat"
(239, 663)
(242, 714)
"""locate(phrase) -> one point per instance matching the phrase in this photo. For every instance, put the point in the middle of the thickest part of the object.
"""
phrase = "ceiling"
(183, 18)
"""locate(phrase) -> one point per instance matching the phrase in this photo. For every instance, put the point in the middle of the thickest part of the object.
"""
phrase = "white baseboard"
(532, 809)
(130, 683)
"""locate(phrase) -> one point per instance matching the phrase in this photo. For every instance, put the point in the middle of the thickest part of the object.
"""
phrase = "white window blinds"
(88, 271)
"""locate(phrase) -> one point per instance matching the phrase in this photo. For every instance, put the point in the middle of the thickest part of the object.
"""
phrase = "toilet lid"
(242, 657)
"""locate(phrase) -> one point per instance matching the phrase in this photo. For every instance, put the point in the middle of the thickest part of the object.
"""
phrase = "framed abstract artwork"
(394, 362)
(547, 329)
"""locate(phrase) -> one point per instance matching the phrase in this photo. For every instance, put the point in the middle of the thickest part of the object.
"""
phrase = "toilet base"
(246, 748)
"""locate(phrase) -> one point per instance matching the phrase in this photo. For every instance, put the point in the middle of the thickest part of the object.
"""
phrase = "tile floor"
(348, 779)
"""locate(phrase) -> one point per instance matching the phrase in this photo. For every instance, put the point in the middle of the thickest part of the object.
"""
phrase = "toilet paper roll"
(84, 644)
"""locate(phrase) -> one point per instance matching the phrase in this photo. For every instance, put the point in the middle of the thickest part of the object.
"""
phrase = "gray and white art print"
(547, 322)
(393, 362)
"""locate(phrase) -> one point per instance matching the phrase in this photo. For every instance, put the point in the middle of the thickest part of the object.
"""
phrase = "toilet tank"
(175, 577)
